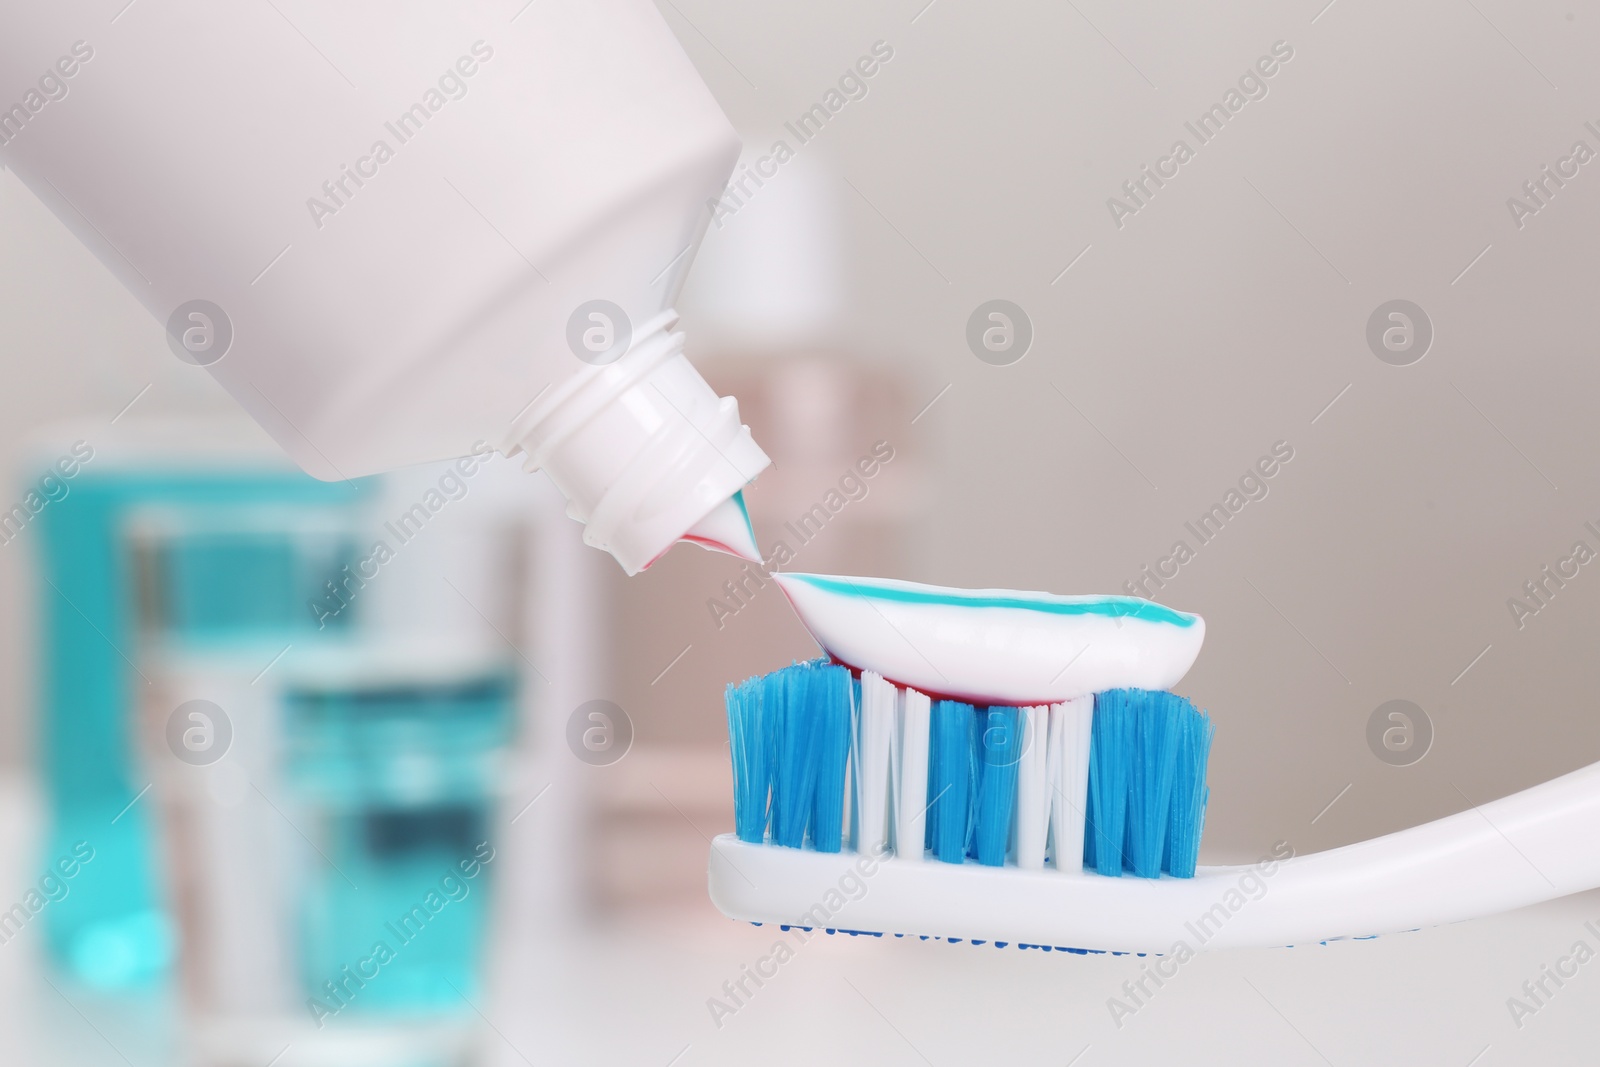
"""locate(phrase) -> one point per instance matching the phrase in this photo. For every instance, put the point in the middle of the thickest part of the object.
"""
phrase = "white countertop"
(635, 990)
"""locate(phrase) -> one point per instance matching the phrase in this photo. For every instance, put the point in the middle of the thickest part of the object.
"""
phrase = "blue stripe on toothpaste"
(1116, 607)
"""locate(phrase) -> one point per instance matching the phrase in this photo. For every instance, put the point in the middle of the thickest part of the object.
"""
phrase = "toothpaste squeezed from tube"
(727, 529)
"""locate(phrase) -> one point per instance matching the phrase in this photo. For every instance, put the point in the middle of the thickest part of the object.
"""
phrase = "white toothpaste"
(995, 646)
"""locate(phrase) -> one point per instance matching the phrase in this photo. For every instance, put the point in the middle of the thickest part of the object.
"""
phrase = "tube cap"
(643, 448)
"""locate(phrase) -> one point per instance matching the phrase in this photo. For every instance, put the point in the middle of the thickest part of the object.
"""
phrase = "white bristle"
(910, 769)
(889, 777)
(872, 743)
(1068, 770)
(1033, 789)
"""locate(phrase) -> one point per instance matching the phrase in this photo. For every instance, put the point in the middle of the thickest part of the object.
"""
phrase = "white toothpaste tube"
(395, 231)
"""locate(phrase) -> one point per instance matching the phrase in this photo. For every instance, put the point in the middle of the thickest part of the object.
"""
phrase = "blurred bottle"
(85, 482)
(770, 297)
(222, 599)
(320, 795)
(769, 300)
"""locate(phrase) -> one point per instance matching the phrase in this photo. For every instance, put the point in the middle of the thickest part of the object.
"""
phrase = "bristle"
(999, 748)
(873, 739)
(1033, 790)
(1146, 783)
(795, 758)
(832, 702)
(1071, 729)
(951, 757)
(913, 714)
(1114, 782)
(852, 796)
(1189, 794)
(750, 744)
(1158, 723)
(806, 710)
(1110, 759)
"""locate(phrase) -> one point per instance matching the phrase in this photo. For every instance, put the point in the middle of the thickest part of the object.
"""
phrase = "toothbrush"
(1006, 844)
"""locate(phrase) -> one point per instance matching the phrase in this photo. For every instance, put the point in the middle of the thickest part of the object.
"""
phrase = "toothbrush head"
(830, 769)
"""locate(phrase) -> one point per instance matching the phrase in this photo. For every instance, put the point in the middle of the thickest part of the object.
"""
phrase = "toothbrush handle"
(1529, 847)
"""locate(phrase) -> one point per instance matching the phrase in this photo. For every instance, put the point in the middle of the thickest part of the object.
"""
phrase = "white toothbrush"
(1505, 854)
(1000, 646)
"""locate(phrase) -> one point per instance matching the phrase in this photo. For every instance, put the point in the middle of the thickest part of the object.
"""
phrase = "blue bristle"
(1000, 747)
(855, 787)
(750, 746)
(1189, 794)
(807, 715)
(1147, 788)
(832, 701)
(795, 755)
(950, 773)
(1088, 818)
(1159, 720)
(1111, 750)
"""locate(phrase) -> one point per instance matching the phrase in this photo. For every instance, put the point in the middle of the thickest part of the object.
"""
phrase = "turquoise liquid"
(394, 786)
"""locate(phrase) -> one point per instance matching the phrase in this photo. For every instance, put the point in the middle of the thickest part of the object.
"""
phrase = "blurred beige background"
(1169, 354)
(1219, 319)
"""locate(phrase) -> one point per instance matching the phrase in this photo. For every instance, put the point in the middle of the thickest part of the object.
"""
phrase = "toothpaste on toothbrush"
(995, 646)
